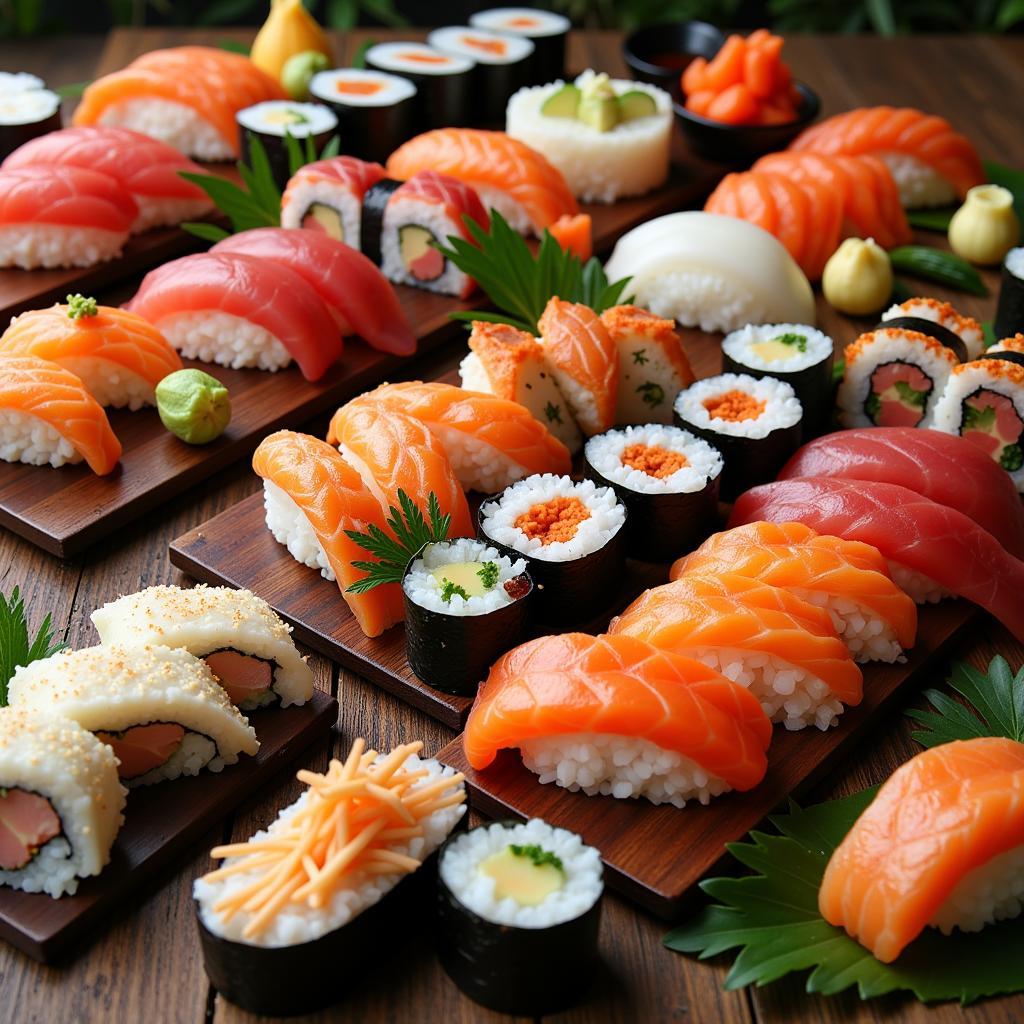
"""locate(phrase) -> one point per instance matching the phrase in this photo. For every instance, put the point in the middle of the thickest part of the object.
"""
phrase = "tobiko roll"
(547, 30)
(921, 314)
(1010, 310)
(272, 120)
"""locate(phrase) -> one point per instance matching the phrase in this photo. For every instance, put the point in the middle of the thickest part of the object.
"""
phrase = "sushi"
(28, 110)
(149, 170)
(668, 481)
(547, 31)
(584, 362)
(933, 551)
(237, 311)
(355, 292)
(465, 603)
(571, 535)
(490, 442)
(312, 496)
(653, 367)
(940, 846)
(756, 424)
(186, 96)
(511, 364)
(244, 644)
(518, 914)
(271, 121)
(711, 271)
(616, 716)
(932, 164)
(313, 897)
(923, 314)
(874, 618)
(61, 802)
(47, 417)
(794, 353)
(508, 175)
(1009, 318)
(119, 357)
(62, 217)
(159, 708)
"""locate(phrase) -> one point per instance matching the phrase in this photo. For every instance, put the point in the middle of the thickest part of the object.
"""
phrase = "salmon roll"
(61, 802)
(159, 708)
(931, 311)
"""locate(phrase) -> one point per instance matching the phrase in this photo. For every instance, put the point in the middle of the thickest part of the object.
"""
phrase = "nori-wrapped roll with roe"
(1010, 310)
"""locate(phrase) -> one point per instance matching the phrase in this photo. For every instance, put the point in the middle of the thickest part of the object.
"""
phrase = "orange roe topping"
(555, 521)
(424, 58)
(358, 87)
(495, 46)
(734, 406)
(653, 460)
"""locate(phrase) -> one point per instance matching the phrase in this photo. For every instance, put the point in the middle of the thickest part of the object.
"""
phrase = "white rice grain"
(212, 336)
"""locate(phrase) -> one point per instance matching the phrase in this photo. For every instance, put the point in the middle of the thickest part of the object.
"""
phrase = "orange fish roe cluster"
(653, 460)
(555, 521)
(735, 406)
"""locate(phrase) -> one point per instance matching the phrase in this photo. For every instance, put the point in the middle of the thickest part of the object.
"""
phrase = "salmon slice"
(332, 497)
(27, 822)
(68, 196)
(142, 748)
(243, 676)
(944, 813)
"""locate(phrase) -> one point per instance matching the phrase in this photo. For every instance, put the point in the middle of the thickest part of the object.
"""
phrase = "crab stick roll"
(546, 30)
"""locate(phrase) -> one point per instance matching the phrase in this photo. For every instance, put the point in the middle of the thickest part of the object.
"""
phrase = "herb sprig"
(450, 590)
(489, 573)
(80, 306)
(17, 646)
(538, 855)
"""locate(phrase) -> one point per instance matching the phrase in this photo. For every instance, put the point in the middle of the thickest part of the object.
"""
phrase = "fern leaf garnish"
(17, 646)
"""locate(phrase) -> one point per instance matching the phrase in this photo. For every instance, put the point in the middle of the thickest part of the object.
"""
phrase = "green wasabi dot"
(299, 69)
(80, 306)
(193, 406)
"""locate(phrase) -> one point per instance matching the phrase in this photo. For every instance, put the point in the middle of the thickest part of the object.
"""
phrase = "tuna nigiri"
(932, 550)
(312, 496)
(941, 845)
(237, 311)
(48, 417)
(614, 715)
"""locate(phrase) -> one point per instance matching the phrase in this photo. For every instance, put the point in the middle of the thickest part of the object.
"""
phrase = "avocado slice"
(635, 104)
(563, 103)
(326, 218)
(600, 112)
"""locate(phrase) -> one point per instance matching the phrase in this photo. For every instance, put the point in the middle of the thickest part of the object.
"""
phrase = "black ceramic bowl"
(658, 54)
(744, 143)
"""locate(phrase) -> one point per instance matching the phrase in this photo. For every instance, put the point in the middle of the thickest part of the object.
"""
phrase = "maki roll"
(1010, 310)
(518, 913)
(571, 535)
(27, 110)
(374, 109)
(273, 120)
(444, 82)
(244, 644)
(755, 423)
(924, 314)
(60, 802)
(667, 479)
(502, 65)
(546, 30)
(795, 353)
(465, 604)
(298, 915)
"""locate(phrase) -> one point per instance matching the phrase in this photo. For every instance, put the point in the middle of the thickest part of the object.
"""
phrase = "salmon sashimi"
(574, 233)
(203, 303)
(142, 748)
(874, 618)
(617, 716)
(490, 442)
(312, 494)
(27, 823)
(932, 163)
(584, 361)
(119, 357)
(784, 649)
(941, 845)
(508, 175)
(942, 467)
(933, 550)
(871, 200)
(357, 294)
(34, 394)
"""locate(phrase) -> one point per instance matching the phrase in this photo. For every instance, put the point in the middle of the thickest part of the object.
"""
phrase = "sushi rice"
(290, 527)
(30, 246)
(782, 408)
(177, 124)
(26, 438)
(703, 463)
(993, 891)
(213, 336)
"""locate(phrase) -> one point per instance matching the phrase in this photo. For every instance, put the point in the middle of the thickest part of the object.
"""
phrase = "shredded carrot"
(653, 460)
(553, 521)
(734, 406)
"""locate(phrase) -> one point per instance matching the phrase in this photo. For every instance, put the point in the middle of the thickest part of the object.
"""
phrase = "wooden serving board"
(654, 855)
(161, 822)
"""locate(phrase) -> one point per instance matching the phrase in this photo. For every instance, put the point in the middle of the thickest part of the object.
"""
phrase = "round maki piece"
(271, 121)
(465, 604)
(571, 536)
(755, 423)
(795, 353)
(546, 30)
(27, 110)
(1010, 310)
(667, 478)
(519, 910)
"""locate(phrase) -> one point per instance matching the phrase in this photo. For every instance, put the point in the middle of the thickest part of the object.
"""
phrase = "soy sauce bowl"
(744, 143)
(658, 54)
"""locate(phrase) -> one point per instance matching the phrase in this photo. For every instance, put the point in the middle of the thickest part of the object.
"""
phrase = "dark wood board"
(161, 822)
(654, 855)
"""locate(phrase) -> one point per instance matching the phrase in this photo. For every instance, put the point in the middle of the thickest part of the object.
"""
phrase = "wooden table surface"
(146, 965)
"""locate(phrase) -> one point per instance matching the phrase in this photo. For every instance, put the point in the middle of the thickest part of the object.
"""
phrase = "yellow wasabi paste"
(780, 348)
(526, 874)
(469, 579)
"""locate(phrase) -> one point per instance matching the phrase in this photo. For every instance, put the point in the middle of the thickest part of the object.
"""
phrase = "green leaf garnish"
(207, 232)
(932, 220)
(538, 855)
(1011, 179)
(79, 306)
(17, 647)
(797, 341)
(937, 265)
(489, 573)
(71, 91)
(450, 590)
(639, 358)
(411, 533)
(553, 413)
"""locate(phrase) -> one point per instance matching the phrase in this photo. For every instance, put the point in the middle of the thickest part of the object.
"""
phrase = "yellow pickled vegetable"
(289, 29)
(858, 277)
(985, 228)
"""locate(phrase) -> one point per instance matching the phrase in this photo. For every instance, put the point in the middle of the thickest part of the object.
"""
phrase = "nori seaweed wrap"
(271, 121)
(1010, 309)
(547, 31)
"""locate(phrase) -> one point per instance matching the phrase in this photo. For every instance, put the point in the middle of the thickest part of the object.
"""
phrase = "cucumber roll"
(27, 110)
(1010, 310)
(465, 604)
(518, 912)
(271, 121)
(546, 30)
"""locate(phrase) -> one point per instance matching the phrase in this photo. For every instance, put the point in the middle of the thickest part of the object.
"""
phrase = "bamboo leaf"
(207, 232)
(18, 646)
(932, 220)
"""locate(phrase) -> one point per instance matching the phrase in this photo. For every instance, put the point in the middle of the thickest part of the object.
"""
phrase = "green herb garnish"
(911, 395)
(450, 590)
(552, 413)
(797, 341)
(651, 393)
(79, 306)
(639, 358)
(411, 534)
(17, 647)
(489, 573)
(538, 855)
(1011, 458)
(979, 419)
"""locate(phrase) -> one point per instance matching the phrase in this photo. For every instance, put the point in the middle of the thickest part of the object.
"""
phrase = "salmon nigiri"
(614, 715)
(941, 845)
(48, 417)
(312, 496)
